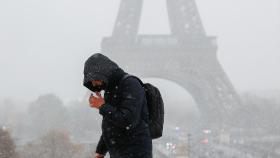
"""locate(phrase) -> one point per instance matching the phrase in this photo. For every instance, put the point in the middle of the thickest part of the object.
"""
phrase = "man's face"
(98, 84)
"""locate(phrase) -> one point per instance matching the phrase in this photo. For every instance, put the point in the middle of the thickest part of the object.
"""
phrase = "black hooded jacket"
(125, 132)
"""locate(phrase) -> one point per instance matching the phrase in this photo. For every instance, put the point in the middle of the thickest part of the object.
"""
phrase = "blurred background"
(43, 106)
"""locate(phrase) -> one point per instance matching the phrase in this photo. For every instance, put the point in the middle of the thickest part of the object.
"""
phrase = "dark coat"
(125, 131)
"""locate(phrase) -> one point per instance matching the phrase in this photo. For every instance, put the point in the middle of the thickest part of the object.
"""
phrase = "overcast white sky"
(43, 44)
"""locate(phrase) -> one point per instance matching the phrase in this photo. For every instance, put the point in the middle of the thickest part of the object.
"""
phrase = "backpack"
(155, 107)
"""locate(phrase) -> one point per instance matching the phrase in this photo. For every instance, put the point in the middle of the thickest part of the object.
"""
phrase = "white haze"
(43, 44)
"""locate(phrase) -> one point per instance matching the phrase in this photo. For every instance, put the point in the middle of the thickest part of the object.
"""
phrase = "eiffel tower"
(186, 56)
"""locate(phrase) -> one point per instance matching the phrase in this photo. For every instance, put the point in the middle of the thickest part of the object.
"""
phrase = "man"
(125, 131)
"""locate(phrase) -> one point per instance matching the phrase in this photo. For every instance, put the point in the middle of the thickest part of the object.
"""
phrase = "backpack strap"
(127, 76)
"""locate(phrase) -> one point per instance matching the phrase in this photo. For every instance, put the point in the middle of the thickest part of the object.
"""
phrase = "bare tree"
(47, 113)
(7, 146)
(55, 144)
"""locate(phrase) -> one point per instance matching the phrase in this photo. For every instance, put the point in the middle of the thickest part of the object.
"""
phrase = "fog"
(44, 44)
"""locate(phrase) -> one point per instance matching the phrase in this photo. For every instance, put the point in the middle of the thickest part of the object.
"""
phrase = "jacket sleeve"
(101, 147)
(128, 113)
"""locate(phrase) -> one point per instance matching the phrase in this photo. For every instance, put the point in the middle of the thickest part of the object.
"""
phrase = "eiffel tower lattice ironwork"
(187, 56)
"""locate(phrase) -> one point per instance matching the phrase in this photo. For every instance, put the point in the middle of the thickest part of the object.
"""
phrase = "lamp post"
(189, 145)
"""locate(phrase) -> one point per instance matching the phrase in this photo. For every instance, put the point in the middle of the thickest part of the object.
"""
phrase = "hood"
(99, 67)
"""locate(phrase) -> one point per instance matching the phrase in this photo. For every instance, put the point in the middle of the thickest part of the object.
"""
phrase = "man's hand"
(97, 155)
(96, 102)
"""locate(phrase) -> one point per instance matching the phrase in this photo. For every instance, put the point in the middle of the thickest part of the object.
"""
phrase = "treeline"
(48, 112)
(53, 144)
(48, 128)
